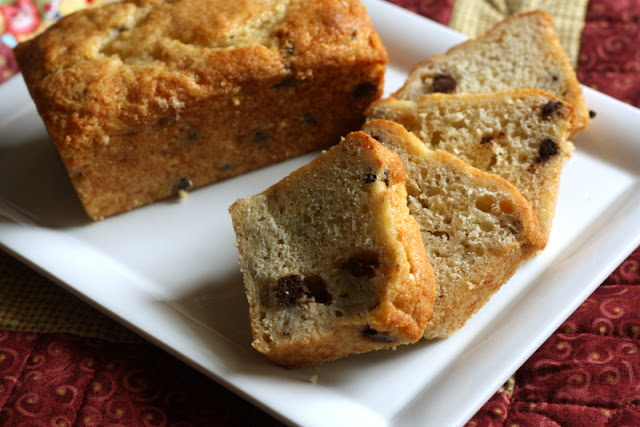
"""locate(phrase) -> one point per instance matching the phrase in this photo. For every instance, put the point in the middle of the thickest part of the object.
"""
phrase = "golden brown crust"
(408, 302)
(143, 96)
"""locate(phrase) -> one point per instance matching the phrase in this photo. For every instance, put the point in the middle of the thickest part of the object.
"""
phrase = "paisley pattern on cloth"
(610, 57)
(63, 380)
(586, 373)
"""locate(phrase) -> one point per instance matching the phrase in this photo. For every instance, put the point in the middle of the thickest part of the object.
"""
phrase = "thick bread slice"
(476, 227)
(519, 135)
(333, 262)
(522, 51)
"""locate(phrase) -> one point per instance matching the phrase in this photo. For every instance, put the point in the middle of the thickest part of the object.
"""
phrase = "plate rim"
(238, 384)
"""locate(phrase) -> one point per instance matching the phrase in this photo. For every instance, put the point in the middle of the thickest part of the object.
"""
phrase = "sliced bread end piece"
(522, 51)
(333, 262)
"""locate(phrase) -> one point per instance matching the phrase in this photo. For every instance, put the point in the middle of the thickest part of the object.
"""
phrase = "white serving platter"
(169, 271)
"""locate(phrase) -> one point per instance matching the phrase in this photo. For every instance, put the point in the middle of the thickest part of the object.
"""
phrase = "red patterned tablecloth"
(586, 373)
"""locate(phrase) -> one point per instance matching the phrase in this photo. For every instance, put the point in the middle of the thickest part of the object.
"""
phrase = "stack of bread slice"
(476, 227)
(507, 104)
(481, 134)
(520, 135)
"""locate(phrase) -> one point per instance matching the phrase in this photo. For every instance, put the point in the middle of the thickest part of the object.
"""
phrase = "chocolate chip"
(365, 90)
(592, 114)
(309, 119)
(260, 137)
(163, 122)
(372, 177)
(354, 35)
(362, 267)
(487, 139)
(287, 81)
(182, 184)
(192, 136)
(289, 289)
(318, 289)
(374, 335)
(444, 83)
(550, 108)
(386, 178)
(548, 149)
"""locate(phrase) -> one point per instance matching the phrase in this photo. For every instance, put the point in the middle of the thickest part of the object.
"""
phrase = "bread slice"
(519, 135)
(476, 227)
(333, 262)
(522, 51)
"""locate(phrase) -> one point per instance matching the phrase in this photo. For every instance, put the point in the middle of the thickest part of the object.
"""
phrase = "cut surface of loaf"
(476, 227)
(519, 135)
(333, 262)
(145, 98)
(522, 51)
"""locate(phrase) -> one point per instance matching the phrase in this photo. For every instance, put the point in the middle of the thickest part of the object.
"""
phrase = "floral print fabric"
(22, 19)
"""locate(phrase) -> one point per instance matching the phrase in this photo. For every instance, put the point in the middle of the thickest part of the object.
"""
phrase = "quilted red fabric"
(587, 373)
(60, 380)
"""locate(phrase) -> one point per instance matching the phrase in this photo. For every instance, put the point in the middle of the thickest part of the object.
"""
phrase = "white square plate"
(169, 271)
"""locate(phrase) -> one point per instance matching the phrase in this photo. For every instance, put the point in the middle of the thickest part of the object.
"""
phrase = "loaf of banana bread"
(145, 98)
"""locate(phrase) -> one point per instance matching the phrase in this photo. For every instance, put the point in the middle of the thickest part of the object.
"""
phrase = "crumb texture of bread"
(476, 227)
(522, 51)
(520, 135)
(333, 263)
(144, 98)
